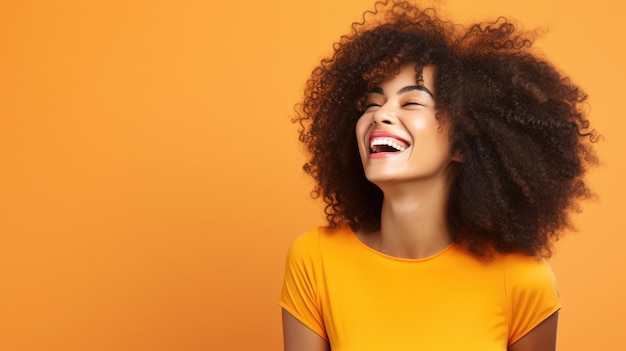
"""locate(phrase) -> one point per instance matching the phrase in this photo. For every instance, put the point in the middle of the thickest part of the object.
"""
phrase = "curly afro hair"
(518, 124)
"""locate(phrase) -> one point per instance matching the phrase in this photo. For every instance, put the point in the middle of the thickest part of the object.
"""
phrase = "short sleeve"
(300, 295)
(532, 295)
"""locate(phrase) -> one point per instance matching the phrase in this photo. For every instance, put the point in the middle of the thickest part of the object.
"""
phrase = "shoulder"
(306, 241)
(312, 243)
(318, 237)
(528, 272)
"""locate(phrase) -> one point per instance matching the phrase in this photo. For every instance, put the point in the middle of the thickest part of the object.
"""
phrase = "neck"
(413, 219)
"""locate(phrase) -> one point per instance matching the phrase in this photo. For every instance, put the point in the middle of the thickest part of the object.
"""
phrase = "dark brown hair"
(516, 121)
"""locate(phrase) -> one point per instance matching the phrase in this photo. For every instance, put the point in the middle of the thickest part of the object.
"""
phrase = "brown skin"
(297, 337)
(416, 181)
(541, 338)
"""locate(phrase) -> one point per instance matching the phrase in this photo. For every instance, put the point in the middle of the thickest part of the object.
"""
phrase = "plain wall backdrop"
(151, 182)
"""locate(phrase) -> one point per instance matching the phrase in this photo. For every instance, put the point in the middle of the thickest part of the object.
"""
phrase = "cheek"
(422, 125)
(430, 133)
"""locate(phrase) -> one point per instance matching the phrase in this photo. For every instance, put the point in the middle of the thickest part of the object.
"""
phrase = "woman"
(449, 160)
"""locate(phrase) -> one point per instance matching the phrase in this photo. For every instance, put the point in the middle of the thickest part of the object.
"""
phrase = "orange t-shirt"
(360, 299)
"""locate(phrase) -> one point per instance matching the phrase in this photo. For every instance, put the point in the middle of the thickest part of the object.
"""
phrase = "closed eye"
(412, 103)
(371, 106)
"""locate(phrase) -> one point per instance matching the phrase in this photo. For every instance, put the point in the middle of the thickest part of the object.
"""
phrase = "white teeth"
(388, 142)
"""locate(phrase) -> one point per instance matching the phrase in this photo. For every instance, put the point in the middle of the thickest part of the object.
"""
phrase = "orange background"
(150, 179)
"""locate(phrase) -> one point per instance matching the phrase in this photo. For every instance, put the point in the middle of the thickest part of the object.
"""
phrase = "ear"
(445, 125)
(457, 156)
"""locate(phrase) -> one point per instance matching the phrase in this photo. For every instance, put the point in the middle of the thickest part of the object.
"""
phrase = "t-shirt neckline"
(363, 245)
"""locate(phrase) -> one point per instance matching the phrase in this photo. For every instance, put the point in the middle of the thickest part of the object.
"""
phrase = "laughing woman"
(449, 160)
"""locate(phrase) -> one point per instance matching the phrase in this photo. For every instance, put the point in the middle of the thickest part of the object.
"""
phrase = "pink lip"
(382, 155)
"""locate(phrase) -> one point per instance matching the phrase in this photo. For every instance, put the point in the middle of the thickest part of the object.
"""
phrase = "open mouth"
(378, 145)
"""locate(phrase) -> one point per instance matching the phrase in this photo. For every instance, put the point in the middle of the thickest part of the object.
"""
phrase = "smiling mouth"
(378, 145)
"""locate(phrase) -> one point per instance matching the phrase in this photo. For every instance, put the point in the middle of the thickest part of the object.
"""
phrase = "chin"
(382, 178)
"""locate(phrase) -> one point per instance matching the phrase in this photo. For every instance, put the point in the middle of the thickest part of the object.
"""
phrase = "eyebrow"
(379, 90)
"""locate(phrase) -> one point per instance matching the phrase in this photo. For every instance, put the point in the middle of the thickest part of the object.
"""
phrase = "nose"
(384, 115)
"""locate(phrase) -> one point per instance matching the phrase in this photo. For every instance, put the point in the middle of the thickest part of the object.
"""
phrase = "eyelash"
(412, 103)
(370, 105)
(367, 106)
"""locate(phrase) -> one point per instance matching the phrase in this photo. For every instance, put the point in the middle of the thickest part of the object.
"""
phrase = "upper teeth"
(387, 142)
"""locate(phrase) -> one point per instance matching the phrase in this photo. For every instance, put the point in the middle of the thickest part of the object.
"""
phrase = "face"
(398, 135)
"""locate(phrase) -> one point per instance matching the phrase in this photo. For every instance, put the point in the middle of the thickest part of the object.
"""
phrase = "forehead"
(407, 76)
